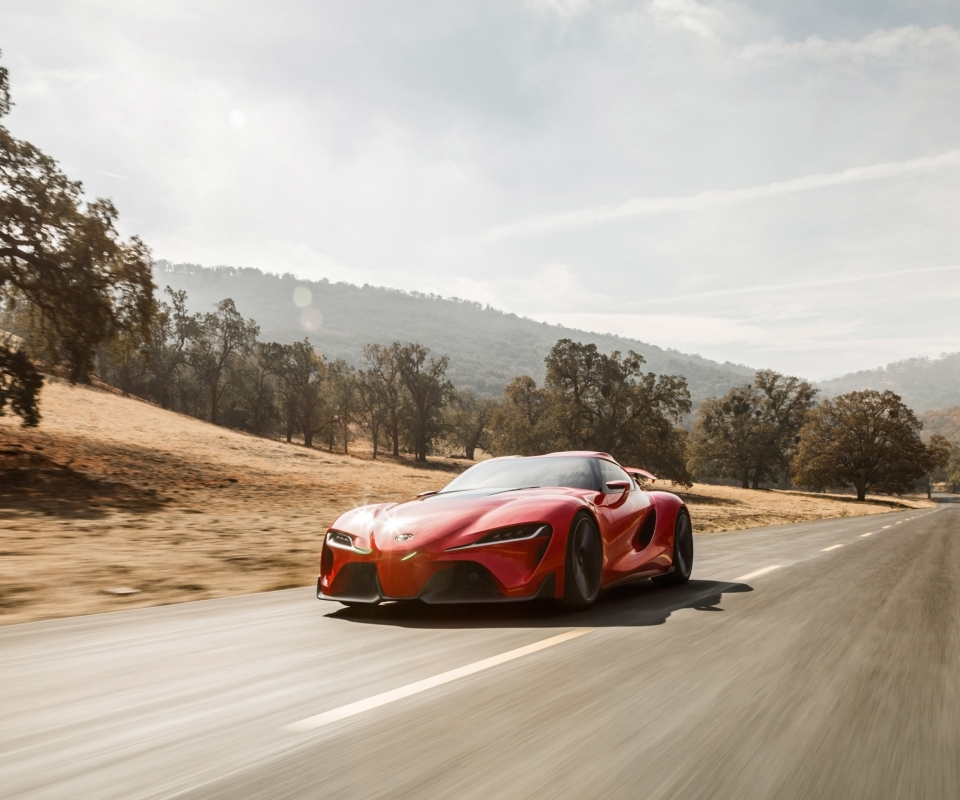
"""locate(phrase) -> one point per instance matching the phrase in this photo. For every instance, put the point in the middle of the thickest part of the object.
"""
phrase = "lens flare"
(302, 297)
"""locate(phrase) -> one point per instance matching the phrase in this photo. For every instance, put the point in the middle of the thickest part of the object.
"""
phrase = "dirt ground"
(113, 503)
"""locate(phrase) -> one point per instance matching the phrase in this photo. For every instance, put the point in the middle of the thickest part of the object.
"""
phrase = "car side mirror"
(618, 486)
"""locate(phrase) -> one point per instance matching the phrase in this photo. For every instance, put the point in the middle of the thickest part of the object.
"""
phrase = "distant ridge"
(487, 347)
(923, 383)
(945, 421)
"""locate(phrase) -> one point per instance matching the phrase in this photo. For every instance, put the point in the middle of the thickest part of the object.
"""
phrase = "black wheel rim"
(684, 547)
(586, 560)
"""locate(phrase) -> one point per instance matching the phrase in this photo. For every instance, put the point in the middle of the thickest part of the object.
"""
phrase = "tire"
(682, 552)
(584, 563)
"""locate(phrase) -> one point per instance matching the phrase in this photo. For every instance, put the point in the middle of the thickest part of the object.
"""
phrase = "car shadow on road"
(640, 604)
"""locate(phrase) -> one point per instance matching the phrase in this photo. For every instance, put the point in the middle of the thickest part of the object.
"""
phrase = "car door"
(621, 514)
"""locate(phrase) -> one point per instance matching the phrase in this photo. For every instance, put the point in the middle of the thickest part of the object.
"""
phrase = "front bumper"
(523, 570)
(461, 583)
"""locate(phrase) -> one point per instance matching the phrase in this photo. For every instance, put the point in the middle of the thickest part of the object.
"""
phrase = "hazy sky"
(771, 183)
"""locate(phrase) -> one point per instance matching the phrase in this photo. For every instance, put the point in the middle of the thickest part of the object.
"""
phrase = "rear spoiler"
(640, 474)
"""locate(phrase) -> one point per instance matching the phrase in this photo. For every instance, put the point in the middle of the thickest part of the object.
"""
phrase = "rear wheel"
(682, 552)
(584, 563)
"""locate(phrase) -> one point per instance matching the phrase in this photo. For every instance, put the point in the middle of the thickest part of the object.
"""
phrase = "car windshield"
(514, 473)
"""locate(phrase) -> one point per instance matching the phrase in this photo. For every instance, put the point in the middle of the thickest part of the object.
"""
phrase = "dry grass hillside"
(945, 421)
(113, 503)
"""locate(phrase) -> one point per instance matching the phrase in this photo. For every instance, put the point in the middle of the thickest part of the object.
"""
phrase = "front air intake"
(465, 582)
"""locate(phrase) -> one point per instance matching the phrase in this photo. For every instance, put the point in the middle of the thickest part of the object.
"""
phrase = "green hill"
(487, 347)
(923, 383)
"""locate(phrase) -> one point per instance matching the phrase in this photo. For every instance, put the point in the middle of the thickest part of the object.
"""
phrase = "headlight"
(344, 541)
(517, 534)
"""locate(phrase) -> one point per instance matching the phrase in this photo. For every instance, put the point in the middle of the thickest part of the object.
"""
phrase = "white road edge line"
(758, 573)
(831, 547)
(352, 709)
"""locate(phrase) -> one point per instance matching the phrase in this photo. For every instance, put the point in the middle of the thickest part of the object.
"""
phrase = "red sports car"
(564, 526)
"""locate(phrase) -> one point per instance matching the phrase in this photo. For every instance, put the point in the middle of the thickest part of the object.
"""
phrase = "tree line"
(212, 365)
(774, 431)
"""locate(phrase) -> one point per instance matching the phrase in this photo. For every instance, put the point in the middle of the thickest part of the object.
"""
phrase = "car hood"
(454, 518)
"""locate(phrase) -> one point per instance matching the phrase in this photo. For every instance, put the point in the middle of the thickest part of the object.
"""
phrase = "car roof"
(582, 454)
(566, 453)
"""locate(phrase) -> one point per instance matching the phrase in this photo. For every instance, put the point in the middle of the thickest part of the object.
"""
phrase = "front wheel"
(682, 552)
(584, 564)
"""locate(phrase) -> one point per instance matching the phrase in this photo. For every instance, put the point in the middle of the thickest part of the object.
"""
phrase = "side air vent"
(649, 527)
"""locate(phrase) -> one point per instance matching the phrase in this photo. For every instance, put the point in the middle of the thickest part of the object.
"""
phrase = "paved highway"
(819, 660)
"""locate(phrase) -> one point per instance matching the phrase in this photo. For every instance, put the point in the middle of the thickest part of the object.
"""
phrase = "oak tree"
(726, 441)
(256, 377)
(381, 375)
(866, 440)
(164, 352)
(303, 373)
(608, 403)
(426, 391)
(372, 406)
(343, 400)
(67, 279)
(521, 424)
(468, 419)
(216, 340)
(750, 433)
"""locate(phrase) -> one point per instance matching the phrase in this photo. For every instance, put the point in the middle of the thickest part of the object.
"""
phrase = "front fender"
(668, 505)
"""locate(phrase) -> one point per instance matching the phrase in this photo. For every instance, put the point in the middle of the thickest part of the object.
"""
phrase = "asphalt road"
(835, 675)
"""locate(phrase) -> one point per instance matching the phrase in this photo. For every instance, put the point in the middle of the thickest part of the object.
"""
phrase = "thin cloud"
(780, 287)
(879, 45)
(686, 15)
(562, 8)
(645, 206)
